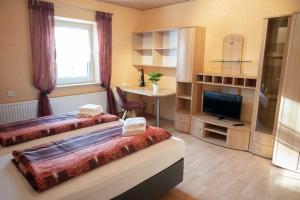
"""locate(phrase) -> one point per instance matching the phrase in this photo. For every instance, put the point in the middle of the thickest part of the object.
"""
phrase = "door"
(270, 75)
(238, 138)
(186, 40)
(287, 141)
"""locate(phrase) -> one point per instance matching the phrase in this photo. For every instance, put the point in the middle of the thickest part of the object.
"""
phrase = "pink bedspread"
(44, 126)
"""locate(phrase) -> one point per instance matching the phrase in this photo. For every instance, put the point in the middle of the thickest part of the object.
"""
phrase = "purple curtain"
(104, 28)
(41, 18)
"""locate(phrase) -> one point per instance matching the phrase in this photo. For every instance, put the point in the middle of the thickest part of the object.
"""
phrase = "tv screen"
(222, 104)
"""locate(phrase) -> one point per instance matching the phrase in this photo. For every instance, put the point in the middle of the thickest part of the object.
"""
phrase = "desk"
(146, 91)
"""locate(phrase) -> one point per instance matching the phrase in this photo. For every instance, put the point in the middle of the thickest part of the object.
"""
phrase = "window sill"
(78, 84)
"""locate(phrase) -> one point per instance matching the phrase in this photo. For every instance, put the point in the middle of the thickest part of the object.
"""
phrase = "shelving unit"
(184, 88)
(183, 97)
(183, 106)
(155, 49)
(224, 80)
(143, 56)
(142, 40)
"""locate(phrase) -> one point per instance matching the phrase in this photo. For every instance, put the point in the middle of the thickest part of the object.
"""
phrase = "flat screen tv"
(222, 105)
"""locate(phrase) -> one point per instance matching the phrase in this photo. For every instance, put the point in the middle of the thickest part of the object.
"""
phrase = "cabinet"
(196, 127)
(270, 79)
(238, 138)
(189, 62)
(182, 122)
(287, 141)
(190, 53)
(220, 132)
(155, 48)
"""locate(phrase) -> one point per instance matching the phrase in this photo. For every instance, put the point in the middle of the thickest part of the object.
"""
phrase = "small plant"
(154, 77)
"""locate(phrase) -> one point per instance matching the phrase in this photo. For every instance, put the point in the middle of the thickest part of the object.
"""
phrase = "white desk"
(147, 91)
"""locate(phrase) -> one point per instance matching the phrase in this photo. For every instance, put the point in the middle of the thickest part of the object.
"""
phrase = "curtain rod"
(68, 6)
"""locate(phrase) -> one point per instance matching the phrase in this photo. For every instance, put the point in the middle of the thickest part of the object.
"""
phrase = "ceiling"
(143, 4)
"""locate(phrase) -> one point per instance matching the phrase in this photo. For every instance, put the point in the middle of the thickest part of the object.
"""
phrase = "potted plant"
(154, 77)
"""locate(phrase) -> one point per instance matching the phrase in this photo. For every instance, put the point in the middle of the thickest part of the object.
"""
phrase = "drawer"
(264, 139)
(261, 150)
(196, 127)
(182, 118)
(182, 126)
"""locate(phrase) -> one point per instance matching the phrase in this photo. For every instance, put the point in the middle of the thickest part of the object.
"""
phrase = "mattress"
(103, 183)
(51, 164)
(9, 149)
(24, 131)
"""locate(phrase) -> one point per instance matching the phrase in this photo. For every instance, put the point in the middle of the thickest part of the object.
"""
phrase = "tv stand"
(220, 132)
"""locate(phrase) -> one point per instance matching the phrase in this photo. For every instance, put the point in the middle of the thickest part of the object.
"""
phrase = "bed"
(8, 149)
(146, 174)
(24, 131)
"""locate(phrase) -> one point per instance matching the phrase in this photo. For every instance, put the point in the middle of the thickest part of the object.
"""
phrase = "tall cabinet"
(269, 89)
(189, 62)
(287, 141)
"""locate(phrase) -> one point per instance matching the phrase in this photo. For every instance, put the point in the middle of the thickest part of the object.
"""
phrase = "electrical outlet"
(11, 93)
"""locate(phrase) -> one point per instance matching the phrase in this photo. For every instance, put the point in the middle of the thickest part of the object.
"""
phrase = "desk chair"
(127, 105)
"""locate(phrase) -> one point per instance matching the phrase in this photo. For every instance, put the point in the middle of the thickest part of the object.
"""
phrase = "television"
(222, 105)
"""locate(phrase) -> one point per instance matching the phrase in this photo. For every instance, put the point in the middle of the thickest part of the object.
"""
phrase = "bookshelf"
(155, 49)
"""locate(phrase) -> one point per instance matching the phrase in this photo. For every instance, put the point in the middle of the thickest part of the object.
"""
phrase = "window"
(76, 54)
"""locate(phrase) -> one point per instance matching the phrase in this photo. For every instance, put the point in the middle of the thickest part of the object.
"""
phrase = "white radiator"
(14, 112)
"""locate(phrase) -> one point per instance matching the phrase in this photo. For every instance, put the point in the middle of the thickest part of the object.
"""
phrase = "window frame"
(93, 72)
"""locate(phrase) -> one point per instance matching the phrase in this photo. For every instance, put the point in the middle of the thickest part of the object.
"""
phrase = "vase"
(155, 88)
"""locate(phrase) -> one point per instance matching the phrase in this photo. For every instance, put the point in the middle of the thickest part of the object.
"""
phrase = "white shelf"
(155, 49)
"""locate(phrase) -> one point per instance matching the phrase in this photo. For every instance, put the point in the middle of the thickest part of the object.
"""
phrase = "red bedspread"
(47, 165)
(44, 126)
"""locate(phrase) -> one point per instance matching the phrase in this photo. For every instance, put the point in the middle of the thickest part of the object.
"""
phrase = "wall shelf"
(226, 80)
(155, 49)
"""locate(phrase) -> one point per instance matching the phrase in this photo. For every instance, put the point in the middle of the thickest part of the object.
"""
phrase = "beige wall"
(15, 52)
(220, 18)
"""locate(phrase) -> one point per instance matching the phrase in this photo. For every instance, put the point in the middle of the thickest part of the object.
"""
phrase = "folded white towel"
(134, 126)
(135, 122)
(136, 131)
(91, 110)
